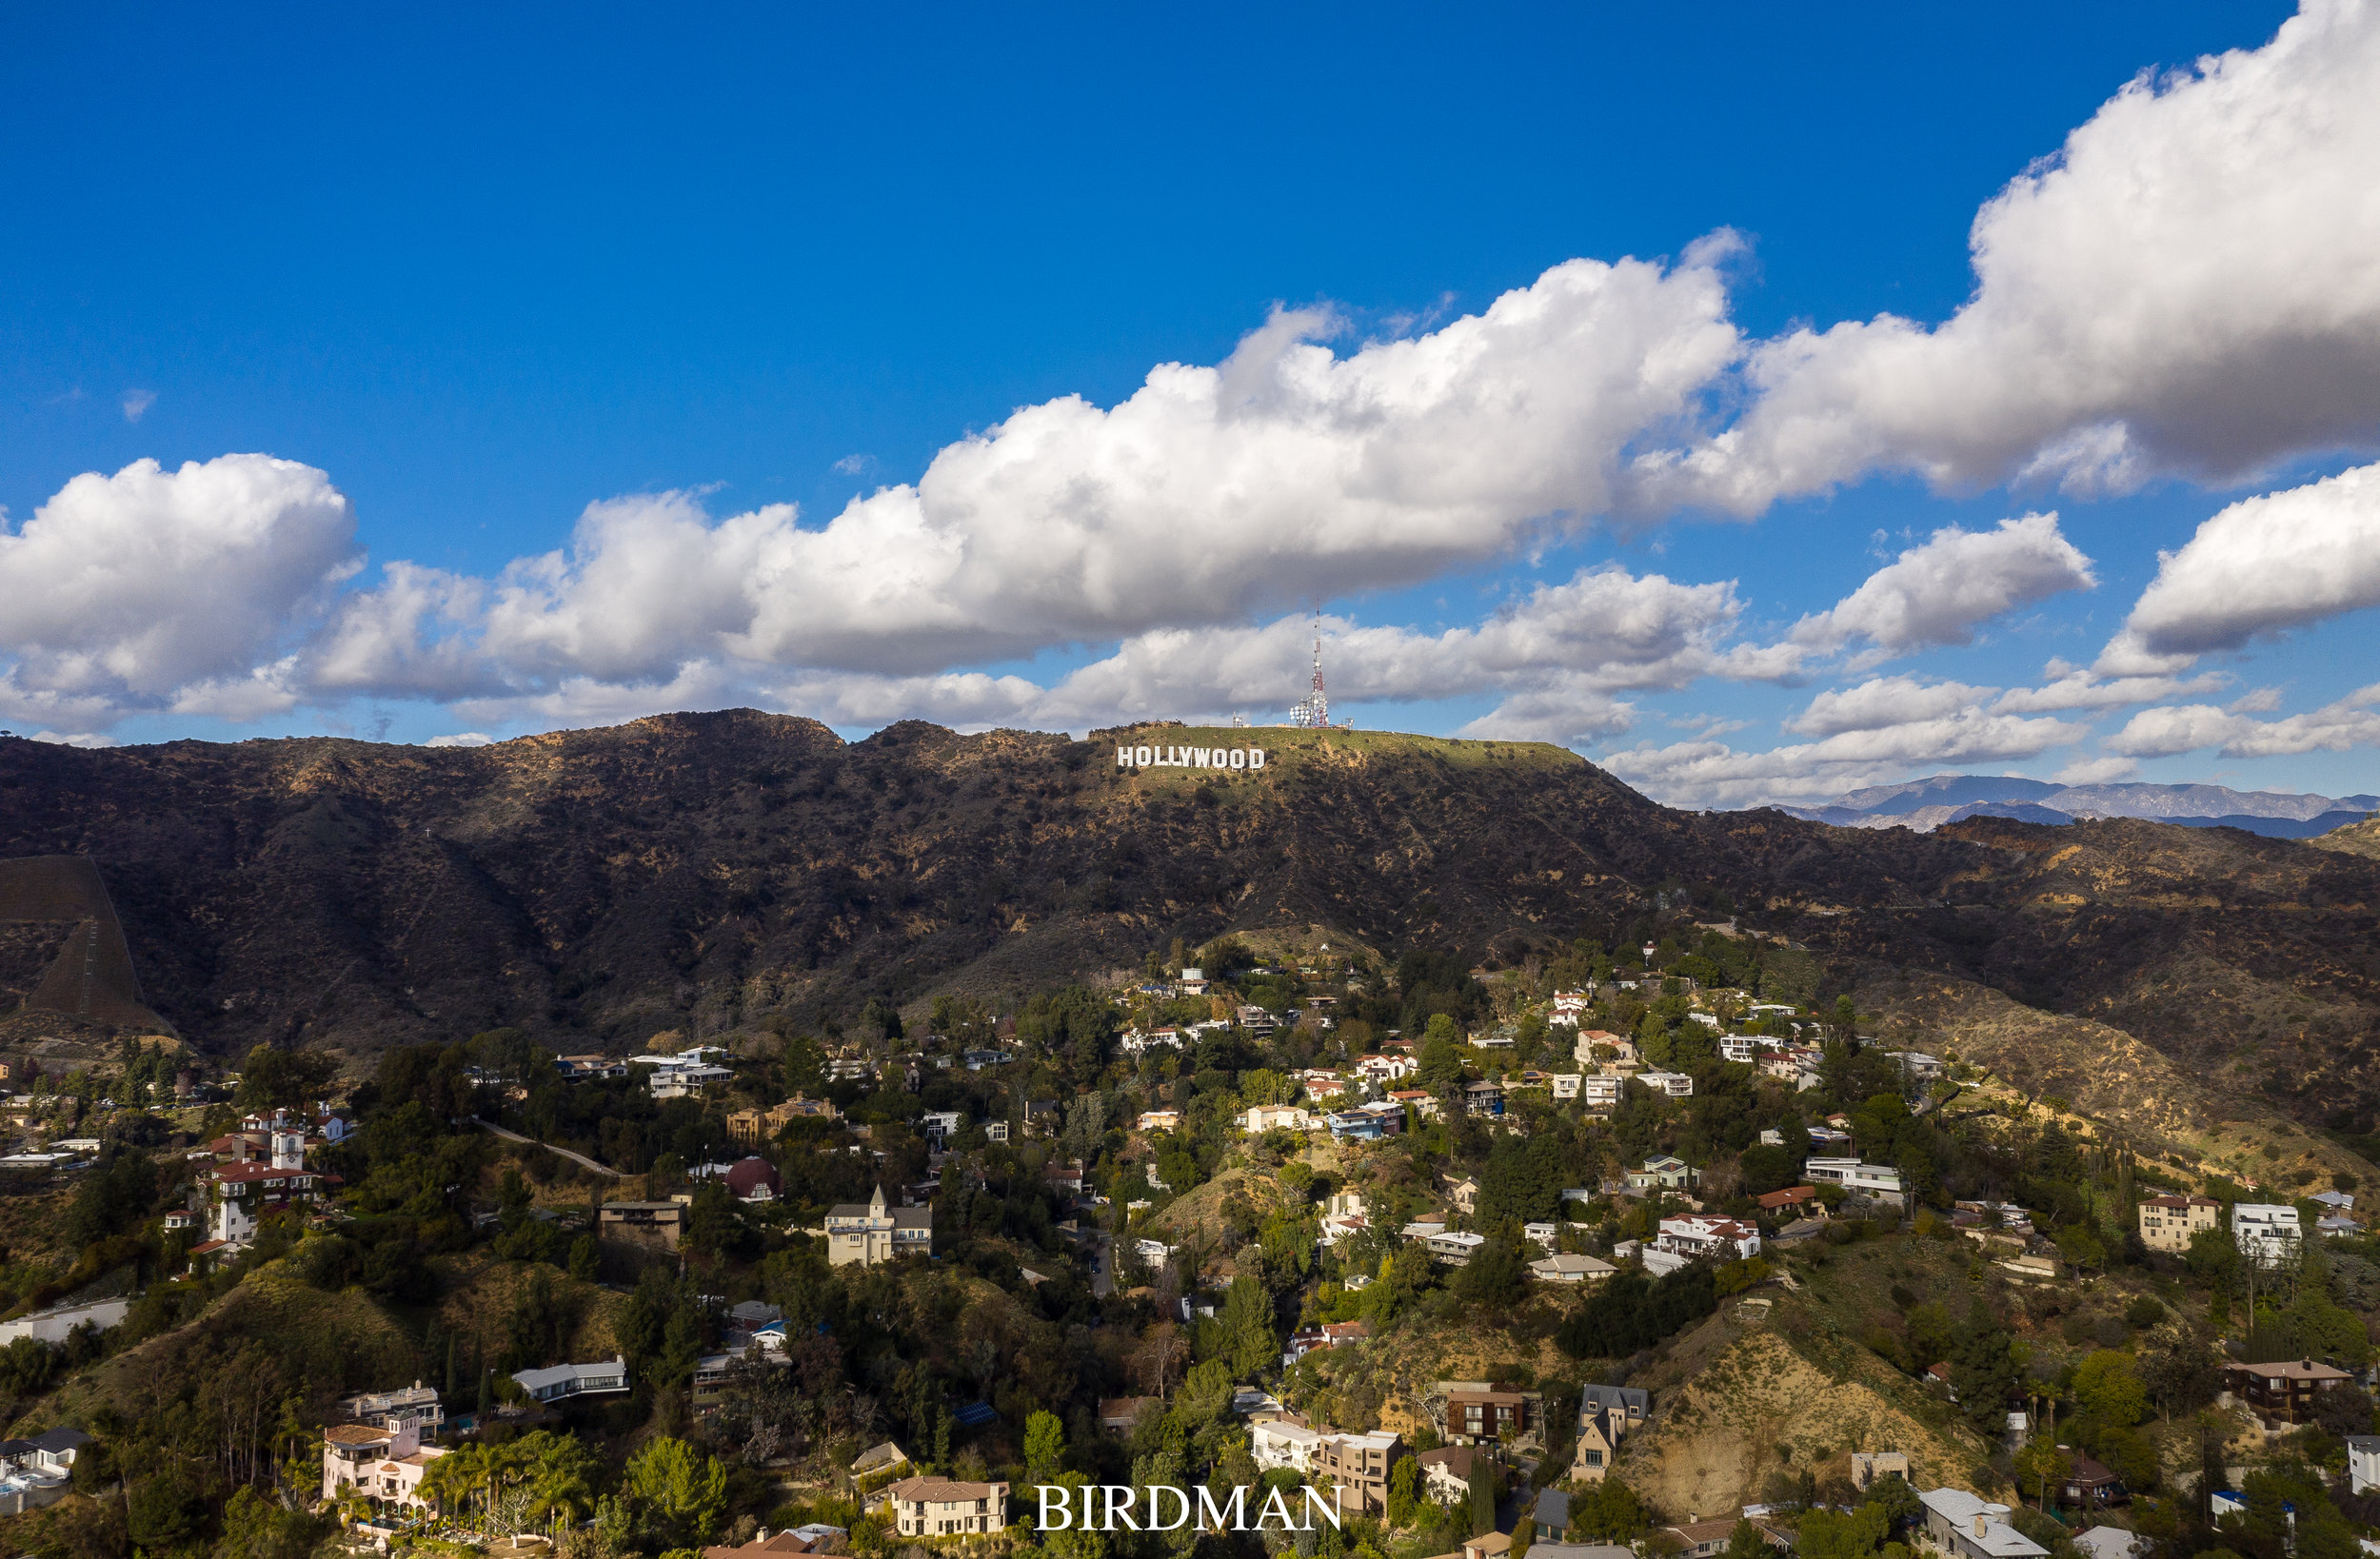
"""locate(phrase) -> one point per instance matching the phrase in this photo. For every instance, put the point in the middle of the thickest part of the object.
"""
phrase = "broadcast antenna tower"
(1315, 711)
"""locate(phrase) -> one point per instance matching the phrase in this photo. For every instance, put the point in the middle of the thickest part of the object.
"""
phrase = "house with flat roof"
(1965, 1526)
(560, 1382)
(2167, 1223)
(385, 1466)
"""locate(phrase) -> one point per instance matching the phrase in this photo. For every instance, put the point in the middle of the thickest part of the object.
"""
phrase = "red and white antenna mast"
(1315, 709)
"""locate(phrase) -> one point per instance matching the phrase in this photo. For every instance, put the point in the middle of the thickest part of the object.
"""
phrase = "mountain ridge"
(701, 872)
(1927, 804)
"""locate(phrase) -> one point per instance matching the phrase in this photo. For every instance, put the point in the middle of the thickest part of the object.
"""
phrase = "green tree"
(1440, 1060)
(255, 1528)
(1851, 1534)
(1983, 1370)
(1899, 1502)
(1610, 1512)
(678, 1493)
(1495, 1277)
(1044, 1447)
(585, 1257)
(2108, 1388)
(1248, 1322)
(1403, 1482)
(1484, 1493)
(284, 1079)
(1747, 1542)
(2042, 1463)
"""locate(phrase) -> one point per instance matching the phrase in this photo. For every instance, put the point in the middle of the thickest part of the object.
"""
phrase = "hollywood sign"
(1190, 757)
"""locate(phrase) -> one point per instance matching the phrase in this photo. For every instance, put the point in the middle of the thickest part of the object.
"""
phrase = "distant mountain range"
(1927, 804)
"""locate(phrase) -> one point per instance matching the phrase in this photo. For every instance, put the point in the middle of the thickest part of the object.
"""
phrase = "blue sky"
(466, 275)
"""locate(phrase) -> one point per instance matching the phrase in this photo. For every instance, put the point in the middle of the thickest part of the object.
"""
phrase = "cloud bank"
(2183, 290)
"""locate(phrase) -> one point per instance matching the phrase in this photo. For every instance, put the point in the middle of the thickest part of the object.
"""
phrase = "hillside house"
(560, 1382)
(1881, 1181)
(1597, 1449)
(1282, 1442)
(1664, 1171)
(1707, 1539)
(872, 1234)
(386, 1466)
(1454, 1250)
(1963, 1527)
(1360, 1464)
(946, 1508)
(2363, 1463)
(1566, 1268)
(2167, 1223)
(1700, 1234)
(2282, 1391)
(2267, 1233)
(1480, 1411)
(1599, 1047)
(416, 1404)
(658, 1224)
(1135, 1043)
(1260, 1119)
(1677, 1085)
(1446, 1473)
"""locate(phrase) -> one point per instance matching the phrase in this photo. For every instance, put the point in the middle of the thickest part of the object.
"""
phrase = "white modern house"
(2266, 1232)
(1699, 1234)
(1276, 1442)
(1882, 1181)
(561, 1381)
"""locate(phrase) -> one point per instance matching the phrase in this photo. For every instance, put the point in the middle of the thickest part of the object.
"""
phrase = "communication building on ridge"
(1312, 712)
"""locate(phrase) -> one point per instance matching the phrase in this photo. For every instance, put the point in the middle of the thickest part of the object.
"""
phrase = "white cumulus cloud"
(1938, 592)
(2352, 721)
(2262, 566)
(1711, 774)
(126, 590)
(2186, 287)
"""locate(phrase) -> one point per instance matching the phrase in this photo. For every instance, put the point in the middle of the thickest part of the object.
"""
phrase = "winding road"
(579, 1158)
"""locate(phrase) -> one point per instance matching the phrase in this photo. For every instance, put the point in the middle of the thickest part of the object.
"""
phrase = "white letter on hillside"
(1237, 1506)
(1157, 1521)
(1330, 1515)
(1140, 756)
(1065, 1507)
(1256, 757)
(1111, 1490)
(1197, 758)
(1123, 758)
(1238, 758)
(1273, 1502)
